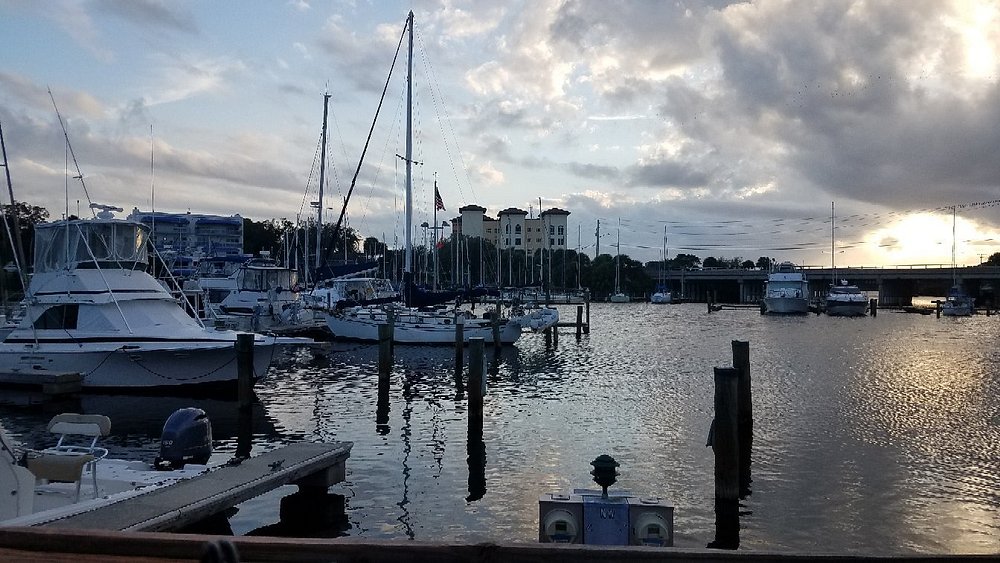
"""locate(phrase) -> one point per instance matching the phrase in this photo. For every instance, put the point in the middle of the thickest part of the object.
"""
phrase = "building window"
(560, 242)
(517, 242)
(552, 230)
(561, 232)
(517, 229)
(508, 229)
(506, 242)
(552, 242)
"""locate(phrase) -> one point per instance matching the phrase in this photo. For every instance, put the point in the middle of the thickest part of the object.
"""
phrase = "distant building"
(512, 229)
(193, 235)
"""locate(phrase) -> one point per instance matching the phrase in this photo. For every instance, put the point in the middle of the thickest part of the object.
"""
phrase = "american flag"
(438, 202)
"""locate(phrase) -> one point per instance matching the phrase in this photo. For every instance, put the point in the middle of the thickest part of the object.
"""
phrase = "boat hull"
(846, 308)
(620, 298)
(660, 298)
(361, 325)
(138, 366)
(786, 305)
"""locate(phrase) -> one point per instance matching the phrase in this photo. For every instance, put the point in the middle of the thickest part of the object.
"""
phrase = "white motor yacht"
(91, 308)
(786, 291)
(846, 300)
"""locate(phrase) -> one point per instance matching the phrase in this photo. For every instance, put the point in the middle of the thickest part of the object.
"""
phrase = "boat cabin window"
(59, 317)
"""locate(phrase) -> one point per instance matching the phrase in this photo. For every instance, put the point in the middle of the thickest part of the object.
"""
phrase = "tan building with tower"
(513, 229)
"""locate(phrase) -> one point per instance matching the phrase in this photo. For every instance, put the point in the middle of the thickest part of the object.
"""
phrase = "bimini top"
(90, 243)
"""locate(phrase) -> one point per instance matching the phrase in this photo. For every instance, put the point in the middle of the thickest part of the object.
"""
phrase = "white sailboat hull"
(416, 327)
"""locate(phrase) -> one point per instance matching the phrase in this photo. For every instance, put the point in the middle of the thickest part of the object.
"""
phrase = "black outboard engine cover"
(186, 438)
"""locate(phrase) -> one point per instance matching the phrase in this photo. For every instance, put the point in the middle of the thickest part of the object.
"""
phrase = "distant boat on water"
(786, 291)
(844, 300)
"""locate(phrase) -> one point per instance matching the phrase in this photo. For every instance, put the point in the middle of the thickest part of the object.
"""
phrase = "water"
(872, 435)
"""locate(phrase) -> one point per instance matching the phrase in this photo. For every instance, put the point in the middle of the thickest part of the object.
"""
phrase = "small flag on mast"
(438, 202)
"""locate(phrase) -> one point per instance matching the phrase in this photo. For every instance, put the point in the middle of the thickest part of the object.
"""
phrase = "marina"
(867, 440)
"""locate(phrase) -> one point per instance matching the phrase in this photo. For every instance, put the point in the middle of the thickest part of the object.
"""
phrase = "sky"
(848, 132)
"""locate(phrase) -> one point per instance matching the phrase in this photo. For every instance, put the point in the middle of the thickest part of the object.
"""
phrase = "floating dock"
(186, 502)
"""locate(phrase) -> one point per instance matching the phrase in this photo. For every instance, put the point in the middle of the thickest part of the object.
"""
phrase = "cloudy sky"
(732, 127)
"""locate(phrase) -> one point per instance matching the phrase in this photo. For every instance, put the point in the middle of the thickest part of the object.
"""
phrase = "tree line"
(467, 261)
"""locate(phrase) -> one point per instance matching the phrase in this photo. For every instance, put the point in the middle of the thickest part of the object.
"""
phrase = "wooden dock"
(186, 502)
(77, 546)
(48, 382)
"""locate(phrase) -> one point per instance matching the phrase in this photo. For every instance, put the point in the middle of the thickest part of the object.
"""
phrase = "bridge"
(896, 285)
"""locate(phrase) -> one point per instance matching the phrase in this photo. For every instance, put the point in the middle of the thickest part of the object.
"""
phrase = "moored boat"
(91, 308)
(958, 303)
(846, 300)
(786, 291)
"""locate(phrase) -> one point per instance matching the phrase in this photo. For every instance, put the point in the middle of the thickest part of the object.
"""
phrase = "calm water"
(871, 435)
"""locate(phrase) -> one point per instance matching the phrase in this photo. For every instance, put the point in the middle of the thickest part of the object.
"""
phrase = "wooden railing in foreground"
(83, 546)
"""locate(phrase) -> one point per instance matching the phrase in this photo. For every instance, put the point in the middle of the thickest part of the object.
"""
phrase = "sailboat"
(618, 296)
(662, 294)
(412, 325)
(957, 303)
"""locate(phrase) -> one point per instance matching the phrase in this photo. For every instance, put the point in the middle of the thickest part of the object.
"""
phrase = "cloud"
(149, 14)
(190, 75)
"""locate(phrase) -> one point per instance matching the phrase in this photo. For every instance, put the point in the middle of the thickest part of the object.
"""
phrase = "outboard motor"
(186, 438)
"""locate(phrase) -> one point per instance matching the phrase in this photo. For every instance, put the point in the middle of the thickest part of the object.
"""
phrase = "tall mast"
(16, 239)
(833, 255)
(954, 263)
(408, 261)
(322, 184)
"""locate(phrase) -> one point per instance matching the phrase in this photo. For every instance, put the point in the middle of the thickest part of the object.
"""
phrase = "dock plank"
(186, 502)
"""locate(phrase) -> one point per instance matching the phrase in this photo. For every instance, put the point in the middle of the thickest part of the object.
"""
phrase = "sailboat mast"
(322, 184)
(833, 255)
(16, 239)
(954, 263)
(408, 260)
(618, 254)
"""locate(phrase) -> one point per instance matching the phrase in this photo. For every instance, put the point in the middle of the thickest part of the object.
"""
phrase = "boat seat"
(75, 451)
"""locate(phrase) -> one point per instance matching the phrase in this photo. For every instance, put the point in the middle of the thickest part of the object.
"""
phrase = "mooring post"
(384, 350)
(586, 300)
(744, 411)
(495, 325)
(476, 448)
(244, 369)
(873, 307)
(555, 335)
(459, 342)
(725, 435)
(579, 320)
(937, 309)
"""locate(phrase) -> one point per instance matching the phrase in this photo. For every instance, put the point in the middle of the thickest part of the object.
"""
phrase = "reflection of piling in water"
(579, 321)
(476, 447)
(382, 406)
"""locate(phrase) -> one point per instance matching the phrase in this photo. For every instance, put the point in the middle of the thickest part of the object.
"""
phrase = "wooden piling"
(744, 412)
(495, 325)
(459, 342)
(725, 435)
(579, 320)
(873, 307)
(384, 350)
(244, 369)
(586, 300)
(555, 335)
(937, 309)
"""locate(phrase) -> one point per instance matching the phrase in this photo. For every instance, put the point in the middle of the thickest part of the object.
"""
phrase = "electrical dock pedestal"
(598, 518)
(587, 517)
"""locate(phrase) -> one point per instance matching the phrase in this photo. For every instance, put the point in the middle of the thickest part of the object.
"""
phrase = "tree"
(711, 262)
(685, 261)
(747, 265)
(764, 263)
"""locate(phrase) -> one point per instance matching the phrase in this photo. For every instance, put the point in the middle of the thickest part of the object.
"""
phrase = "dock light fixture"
(604, 472)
